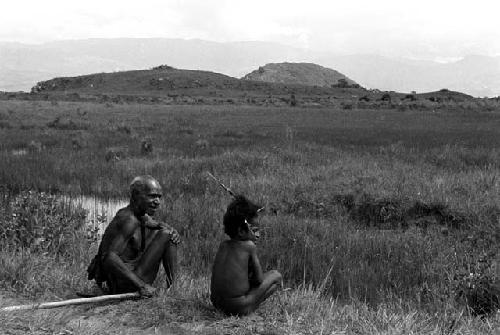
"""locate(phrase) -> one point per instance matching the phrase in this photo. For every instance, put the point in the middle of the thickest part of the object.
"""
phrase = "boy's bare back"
(230, 275)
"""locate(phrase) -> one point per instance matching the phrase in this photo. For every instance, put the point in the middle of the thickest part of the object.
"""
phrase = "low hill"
(164, 80)
(167, 85)
(161, 78)
(444, 95)
(300, 73)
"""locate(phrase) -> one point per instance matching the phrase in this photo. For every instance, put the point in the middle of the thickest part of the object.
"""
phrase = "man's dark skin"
(128, 264)
(238, 284)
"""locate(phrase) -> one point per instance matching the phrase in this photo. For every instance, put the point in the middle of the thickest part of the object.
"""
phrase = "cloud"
(385, 26)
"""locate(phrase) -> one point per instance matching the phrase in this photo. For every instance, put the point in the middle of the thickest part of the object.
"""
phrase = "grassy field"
(381, 221)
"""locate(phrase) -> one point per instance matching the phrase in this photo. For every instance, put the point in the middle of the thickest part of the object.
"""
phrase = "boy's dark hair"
(238, 210)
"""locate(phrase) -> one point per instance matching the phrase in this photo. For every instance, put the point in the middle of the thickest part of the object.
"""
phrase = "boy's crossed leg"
(248, 303)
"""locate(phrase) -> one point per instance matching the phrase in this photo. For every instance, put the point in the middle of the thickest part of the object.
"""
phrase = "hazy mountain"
(474, 75)
(22, 65)
(297, 73)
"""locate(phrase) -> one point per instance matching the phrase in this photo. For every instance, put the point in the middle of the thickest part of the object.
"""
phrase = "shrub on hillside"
(386, 97)
(163, 67)
(343, 83)
(410, 97)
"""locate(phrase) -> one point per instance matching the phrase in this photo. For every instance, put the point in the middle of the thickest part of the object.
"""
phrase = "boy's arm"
(255, 270)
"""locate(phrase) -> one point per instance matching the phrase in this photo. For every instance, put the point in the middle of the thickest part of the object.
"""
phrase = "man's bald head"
(143, 184)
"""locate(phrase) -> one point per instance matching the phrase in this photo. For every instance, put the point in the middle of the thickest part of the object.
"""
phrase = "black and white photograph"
(241, 167)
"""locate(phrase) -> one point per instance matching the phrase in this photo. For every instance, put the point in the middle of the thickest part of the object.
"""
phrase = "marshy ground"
(381, 221)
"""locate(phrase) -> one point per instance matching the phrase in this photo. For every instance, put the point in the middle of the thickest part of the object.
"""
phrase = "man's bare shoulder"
(124, 213)
(125, 219)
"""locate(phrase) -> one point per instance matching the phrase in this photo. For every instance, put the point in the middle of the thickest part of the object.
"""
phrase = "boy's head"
(239, 214)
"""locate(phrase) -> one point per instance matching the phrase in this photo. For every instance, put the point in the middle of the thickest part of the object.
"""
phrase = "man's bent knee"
(165, 235)
(275, 273)
(274, 276)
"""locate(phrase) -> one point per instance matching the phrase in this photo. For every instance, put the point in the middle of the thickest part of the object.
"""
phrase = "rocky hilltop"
(300, 73)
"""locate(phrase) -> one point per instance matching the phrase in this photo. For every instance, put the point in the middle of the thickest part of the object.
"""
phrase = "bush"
(146, 146)
(61, 124)
(39, 222)
(477, 285)
(44, 245)
(479, 293)
(163, 67)
(342, 83)
(115, 154)
(124, 128)
(386, 97)
(4, 124)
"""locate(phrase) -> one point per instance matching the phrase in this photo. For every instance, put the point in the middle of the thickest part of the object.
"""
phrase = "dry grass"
(340, 189)
(185, 309)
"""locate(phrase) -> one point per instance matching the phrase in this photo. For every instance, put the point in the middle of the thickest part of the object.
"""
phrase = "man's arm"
(257, 275)
(151, 223)
(118, 245)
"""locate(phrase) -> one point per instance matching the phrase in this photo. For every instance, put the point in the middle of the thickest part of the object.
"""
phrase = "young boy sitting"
(238, 285)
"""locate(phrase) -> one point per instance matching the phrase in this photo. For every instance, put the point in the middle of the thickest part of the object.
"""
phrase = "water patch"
(99, 211)
(19, 152)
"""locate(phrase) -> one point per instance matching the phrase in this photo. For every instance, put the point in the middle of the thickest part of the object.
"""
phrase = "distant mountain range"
(22, 65)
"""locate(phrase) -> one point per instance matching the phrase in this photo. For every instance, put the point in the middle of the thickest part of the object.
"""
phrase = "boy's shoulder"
(246, 245)
(249, 244)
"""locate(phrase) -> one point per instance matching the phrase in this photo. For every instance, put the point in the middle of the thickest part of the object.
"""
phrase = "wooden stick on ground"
(80, 301)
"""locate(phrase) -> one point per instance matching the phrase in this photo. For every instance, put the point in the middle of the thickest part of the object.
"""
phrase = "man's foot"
(147, 291)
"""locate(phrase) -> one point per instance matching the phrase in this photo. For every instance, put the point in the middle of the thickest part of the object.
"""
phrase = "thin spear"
(80, 301)
(227, 189)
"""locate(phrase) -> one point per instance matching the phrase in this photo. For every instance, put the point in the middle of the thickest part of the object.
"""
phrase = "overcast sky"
(430, 29)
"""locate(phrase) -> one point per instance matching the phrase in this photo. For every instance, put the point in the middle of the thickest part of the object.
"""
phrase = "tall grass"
(313, 184)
